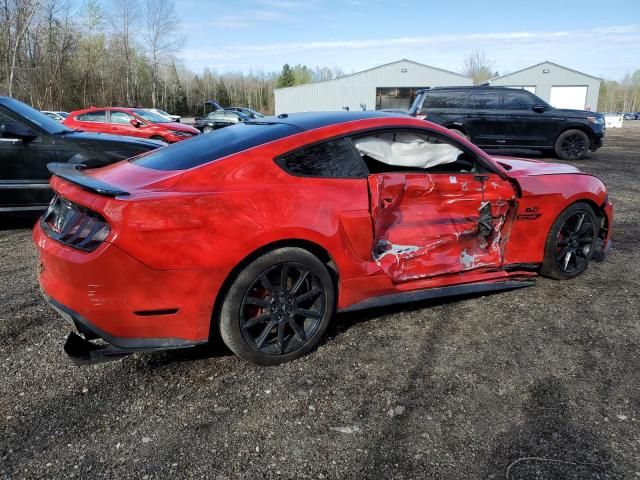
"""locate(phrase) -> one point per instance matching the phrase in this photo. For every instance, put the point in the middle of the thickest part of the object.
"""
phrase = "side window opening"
(484, 100)
(120, 117)
(332, 159)
(95, 116)
(517, 101)
(387, 152)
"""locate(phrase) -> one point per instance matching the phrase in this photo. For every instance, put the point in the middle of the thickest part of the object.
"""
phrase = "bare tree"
(24, 10)
(478, 67)
(161, 37)
(123, 21)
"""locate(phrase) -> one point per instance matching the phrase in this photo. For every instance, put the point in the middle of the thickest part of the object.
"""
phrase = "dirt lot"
(469, 388)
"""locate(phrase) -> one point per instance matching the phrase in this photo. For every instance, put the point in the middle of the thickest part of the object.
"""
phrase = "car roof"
(466, 87)
(313, 120)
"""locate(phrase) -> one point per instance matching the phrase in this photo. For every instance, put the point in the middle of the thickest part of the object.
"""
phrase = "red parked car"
(135, 122)
(259, 232)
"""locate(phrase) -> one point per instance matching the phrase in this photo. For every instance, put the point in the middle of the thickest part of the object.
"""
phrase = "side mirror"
(135, 122)
(538, 108)
(15, 130)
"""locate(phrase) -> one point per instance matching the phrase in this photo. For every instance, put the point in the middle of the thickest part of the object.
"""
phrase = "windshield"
(63, 114)
(150, 117)
(162, 112)
(33, 116)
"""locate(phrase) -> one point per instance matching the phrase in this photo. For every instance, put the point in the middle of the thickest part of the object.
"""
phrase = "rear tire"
(570, 243)
(278, 307)
(572, 145)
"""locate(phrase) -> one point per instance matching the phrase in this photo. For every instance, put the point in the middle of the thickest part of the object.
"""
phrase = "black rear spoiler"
(72, 172)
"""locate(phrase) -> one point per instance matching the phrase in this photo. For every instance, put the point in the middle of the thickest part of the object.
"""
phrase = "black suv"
(29, 140)
(502, 117)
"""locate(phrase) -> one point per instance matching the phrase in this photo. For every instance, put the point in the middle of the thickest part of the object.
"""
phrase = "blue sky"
(597, 37)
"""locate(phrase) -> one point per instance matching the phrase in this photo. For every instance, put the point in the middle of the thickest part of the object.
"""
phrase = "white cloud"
(606, 51)
(282, 3)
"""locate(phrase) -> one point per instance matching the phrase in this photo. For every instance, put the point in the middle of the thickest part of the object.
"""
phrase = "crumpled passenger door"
(434, 224)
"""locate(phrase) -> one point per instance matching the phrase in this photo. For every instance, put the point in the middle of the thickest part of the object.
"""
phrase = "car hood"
(88, 137)
(521, 167)
(576, 113)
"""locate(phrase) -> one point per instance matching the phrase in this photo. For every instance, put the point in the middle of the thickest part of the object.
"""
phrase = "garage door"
(569, 97)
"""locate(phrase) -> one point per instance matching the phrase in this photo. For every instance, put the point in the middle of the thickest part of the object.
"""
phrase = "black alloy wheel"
(574, 242)
(571, 242)
(278, 306)
(282, 309)
(572, 145)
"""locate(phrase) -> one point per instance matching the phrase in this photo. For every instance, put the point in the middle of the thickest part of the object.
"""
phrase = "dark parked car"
(501, 117)
(219, 119)
(252, 114)
(29, 140)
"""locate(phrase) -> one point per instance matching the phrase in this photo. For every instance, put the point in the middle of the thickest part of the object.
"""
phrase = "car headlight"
(599, 120)
(178, 133)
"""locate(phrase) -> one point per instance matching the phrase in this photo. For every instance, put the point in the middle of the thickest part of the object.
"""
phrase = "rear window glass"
(213, 146)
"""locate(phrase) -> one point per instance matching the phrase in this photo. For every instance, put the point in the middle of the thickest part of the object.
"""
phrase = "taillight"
(74, 225)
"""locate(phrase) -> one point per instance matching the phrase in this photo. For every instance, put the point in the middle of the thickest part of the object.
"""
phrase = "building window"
(395, 98)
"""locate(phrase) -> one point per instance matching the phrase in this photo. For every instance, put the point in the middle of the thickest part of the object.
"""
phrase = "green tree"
(286, 78)
(302, 74)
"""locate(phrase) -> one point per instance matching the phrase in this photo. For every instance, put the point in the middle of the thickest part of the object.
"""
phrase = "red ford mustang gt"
(259, 232)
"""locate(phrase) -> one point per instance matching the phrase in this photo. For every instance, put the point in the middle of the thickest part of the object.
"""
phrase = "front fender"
(544, 197)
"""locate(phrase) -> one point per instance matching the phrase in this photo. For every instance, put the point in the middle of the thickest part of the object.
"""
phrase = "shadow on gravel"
(344, 321)
(548, 445)
(156, 360)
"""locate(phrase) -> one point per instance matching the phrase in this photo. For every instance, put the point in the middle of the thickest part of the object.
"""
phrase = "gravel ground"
(537, 383)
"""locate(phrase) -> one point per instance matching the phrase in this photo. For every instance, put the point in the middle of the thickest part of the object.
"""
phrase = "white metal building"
(388, 86)
(560, 86)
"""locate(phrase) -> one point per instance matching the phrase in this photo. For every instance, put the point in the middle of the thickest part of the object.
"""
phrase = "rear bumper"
(82, 351)
(111, 295)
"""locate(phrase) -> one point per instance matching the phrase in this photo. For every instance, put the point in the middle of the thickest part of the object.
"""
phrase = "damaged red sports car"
(259, 232)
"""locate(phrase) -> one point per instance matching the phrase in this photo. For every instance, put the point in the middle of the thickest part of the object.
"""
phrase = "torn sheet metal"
(427, 225)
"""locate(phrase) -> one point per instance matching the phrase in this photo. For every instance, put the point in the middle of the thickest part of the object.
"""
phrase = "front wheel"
(572, 145)
(278, 307)
(570, 243)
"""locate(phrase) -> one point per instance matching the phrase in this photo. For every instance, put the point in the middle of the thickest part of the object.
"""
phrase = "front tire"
(572, 145)
(570, 243)
(278, 307)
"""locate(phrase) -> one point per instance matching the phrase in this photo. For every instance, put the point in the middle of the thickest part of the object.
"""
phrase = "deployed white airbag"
(406, 150)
